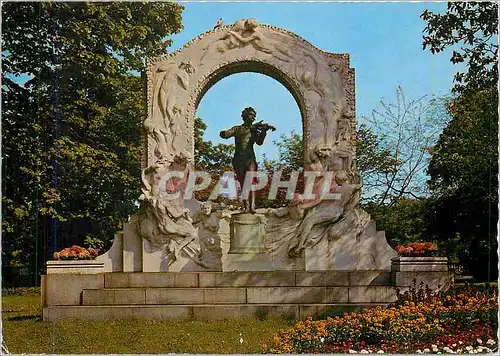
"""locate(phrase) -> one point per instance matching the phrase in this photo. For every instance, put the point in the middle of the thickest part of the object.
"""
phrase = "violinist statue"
(244, 156)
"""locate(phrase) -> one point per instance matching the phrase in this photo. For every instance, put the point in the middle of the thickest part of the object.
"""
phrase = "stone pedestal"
(419, 264)
(431, 271)
(247, 248)
(247, 234)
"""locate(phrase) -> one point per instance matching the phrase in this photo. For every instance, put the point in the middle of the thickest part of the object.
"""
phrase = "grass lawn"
(25, 332)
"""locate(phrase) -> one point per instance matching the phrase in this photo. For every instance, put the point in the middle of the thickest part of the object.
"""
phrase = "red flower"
(76, 253)
(417, 249)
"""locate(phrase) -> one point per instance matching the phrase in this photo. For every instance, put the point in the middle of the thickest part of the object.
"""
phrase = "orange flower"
(76, 252)
(416, 249)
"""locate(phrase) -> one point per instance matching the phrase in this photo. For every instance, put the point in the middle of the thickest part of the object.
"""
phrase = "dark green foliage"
(214, 159)
(403, 222)
(474, 27)
(463, 171)
(463, 210)
(71, 133)
(209, 157)
(291, 153)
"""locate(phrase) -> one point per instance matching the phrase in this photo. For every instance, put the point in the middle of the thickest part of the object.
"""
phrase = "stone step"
(158, 296)
(246, 279)
(198, 312)
(239, 295)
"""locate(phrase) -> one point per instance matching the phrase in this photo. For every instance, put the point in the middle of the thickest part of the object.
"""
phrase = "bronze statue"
(244, 156)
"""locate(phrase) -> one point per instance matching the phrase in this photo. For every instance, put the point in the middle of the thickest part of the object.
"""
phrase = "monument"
(317, 234)
(189, 259)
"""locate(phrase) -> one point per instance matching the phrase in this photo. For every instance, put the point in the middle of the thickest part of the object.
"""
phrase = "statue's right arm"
(228, 133)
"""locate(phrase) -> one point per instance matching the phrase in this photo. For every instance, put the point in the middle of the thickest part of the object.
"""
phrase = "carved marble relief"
(323, 85)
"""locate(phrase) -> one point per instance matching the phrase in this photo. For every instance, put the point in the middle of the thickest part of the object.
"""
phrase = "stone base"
(67, 289)
(247, 262)
(125, 255)
(260, 262)
(211, 295)
(130, 253)
(429, 271)
(198, 312)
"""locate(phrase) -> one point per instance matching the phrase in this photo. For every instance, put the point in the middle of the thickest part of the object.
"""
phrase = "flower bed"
(76, 253)
(417, 249)
(458, 321)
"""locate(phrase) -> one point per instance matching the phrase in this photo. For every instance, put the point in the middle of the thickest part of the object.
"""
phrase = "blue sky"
(384, 41)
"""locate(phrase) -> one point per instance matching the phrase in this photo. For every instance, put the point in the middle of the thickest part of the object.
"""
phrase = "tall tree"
(404, 131)
(464, 162)
(463, 178)
(71, 142)
(472, 26)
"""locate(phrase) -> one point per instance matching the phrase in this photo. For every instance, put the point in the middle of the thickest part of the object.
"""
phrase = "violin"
(263, 126)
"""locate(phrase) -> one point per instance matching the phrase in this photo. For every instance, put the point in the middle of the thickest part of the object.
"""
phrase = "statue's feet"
(249, 207)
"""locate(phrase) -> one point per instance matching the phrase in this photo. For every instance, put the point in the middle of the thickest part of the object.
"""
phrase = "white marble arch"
(332, 235)
(322, 84)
